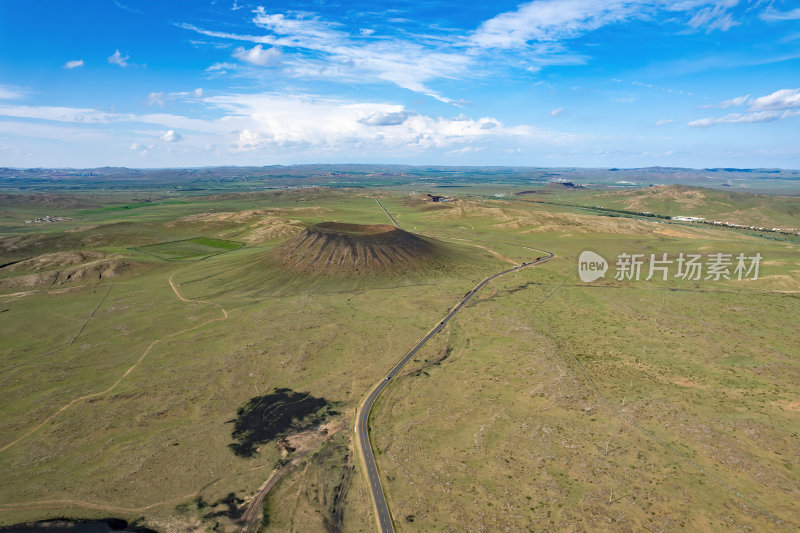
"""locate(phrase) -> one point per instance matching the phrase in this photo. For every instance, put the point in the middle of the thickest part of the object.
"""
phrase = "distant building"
(438, 198)
(47, 219)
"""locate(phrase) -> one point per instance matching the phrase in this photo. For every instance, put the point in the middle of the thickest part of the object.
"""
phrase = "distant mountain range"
(351, 175)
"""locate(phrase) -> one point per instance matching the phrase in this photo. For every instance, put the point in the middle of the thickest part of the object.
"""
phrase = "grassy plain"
(682, 200)
(129, 414)
(190, 249)
(695, 399)
(119, 394)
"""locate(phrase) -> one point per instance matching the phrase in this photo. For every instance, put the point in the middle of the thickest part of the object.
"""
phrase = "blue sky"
(607, 83)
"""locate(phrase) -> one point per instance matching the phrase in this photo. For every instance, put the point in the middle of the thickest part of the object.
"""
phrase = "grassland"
(189, 249)
(131, 417)
(546, 404)
(682, 200)
(694, 387)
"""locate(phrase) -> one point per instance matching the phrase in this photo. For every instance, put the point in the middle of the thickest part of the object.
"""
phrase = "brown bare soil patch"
(10, 244)
(228, 216)
(83, 228)
(51, 261)
(687, 198)
(97, 270)
(308, 439)
(543, 221)
(269, 228)
(673, 233)
(684, 382)
(263, 224)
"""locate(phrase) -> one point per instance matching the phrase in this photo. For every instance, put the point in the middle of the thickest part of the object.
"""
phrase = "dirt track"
(250, 519)
(123, 376)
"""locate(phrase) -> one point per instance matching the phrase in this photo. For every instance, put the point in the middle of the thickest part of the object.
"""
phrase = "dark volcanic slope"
(344, 249)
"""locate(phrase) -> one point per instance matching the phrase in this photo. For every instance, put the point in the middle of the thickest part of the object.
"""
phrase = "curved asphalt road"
(362, 421)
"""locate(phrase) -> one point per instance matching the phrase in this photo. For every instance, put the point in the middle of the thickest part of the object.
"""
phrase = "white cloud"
(335, 55)
(715, 17)
(380, 118)
(126, 8)
(664, 122)
(282, 123)
(657, 87)
(549, 20)
(270, 57)
(35, 130)
(143, 149)
(746, 118)
(269, 121)
(781, 99)
(155, 98)
(59, 114)
(118, 59)
(466, 150)
(95, 117)
(10, 93)
(299, 26)
(773, 15)
(171, 136)
(556, 112)
(558, 20)
(209, 44)
(306, 46)
(782, 104)
(222, 68)
(75, 63)
(173, 121)
(739, 100)
(161, 98)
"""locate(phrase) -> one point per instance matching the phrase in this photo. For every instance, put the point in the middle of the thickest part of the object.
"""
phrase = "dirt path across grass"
(494, 253)
(70, 343)
(127, 372)
(252, 517)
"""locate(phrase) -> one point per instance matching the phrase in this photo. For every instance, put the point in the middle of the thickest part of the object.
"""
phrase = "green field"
(190, 249)
(546, 404)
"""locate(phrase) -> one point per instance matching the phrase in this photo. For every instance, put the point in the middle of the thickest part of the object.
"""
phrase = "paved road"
(362, 421)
